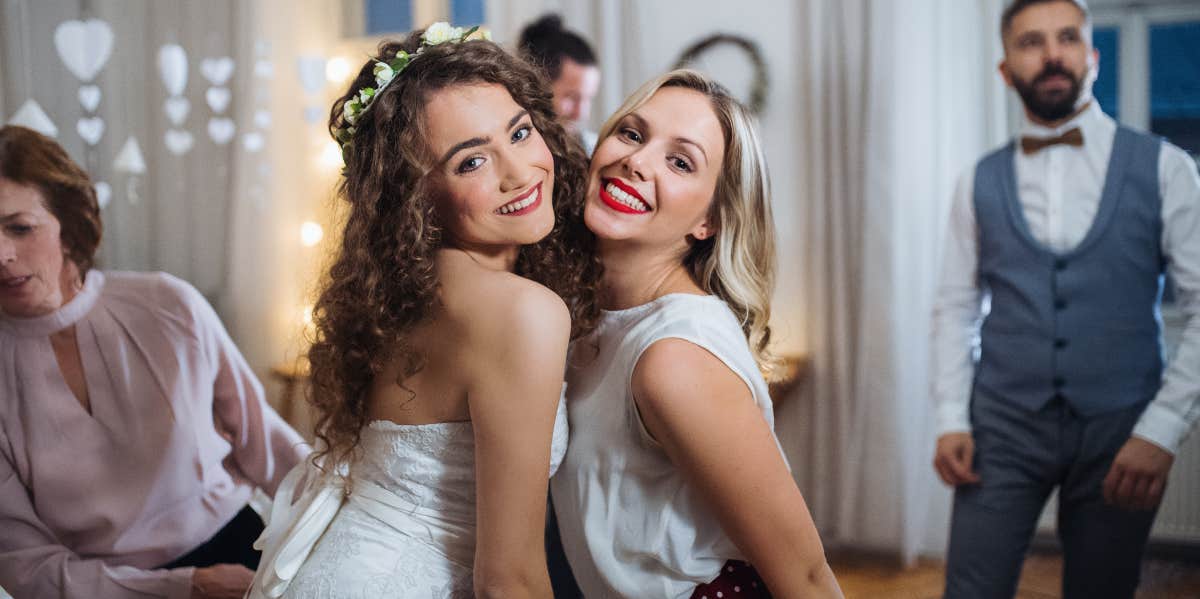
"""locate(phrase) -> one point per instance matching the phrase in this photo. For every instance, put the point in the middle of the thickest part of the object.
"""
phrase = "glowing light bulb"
(311, 233)
(331, 155)
(338, 70)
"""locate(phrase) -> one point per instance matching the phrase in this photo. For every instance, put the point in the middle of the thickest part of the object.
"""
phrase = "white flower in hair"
(386, 72)
(350, 110)
(383, 73)
(441, 32)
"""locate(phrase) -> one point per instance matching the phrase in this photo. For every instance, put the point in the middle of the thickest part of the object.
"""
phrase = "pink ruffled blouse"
(178, 436)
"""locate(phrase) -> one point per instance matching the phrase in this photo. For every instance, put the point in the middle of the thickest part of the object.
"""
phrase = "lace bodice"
(405, 527)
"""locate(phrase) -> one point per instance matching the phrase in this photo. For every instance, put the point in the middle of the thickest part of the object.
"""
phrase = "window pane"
(1108, 41)
(388, 16)
(465, 13)
(1175, 83)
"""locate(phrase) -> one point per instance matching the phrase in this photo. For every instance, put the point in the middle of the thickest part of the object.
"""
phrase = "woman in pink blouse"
(132, 431)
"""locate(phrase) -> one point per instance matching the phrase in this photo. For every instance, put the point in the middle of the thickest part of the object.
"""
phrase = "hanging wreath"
(762, 83)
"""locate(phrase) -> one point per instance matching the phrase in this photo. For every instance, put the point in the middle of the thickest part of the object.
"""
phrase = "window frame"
(1133, 22)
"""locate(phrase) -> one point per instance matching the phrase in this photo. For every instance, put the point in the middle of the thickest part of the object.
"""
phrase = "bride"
(442, 332)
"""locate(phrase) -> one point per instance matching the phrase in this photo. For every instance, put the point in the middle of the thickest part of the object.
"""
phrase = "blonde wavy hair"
(737, 264)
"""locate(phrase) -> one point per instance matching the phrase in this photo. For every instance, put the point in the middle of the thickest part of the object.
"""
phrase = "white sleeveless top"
(631, 525)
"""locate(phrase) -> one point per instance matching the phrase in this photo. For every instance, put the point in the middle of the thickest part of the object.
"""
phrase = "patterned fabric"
(738, 580)
(406, 528)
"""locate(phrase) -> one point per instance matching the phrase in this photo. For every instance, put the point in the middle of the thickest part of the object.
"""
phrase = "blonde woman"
(674, 482)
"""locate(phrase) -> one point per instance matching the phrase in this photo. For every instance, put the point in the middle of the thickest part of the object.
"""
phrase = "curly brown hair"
(383, 281)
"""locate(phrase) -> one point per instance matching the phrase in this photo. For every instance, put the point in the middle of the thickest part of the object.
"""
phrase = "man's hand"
(953, 459)
(1138, 475)
(222, 581)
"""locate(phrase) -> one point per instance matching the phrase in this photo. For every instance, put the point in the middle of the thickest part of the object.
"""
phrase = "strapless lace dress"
(406, 529)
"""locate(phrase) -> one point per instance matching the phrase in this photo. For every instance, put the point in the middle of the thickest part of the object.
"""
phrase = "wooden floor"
(864, 577)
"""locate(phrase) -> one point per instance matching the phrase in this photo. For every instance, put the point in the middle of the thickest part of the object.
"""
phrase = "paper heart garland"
(84, 46)
(172, 67)
(177, 109)
(217, 98)
(31, 115)
(129, 159)
(221, 130)
(253, 142)
(264, 69)
(91, 129)
(89, 97)
(312, 73)
(262, 118)
(217, 70)
(178, 141)
(103, 194)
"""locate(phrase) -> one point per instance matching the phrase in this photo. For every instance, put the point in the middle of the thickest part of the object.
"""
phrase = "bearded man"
(1066, 234)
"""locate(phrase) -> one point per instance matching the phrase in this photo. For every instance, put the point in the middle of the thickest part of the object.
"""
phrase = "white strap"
(294, 527)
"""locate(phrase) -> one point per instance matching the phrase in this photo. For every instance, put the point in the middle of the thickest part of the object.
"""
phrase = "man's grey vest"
(1081, 326)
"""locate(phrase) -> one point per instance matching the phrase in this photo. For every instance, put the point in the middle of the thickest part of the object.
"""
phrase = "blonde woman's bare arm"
(704, 417)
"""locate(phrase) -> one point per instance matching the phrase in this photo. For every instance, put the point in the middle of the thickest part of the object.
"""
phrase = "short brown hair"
(30, 158)
(1017, 6)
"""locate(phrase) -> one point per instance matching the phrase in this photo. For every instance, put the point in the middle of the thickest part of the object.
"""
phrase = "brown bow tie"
(1030, 145)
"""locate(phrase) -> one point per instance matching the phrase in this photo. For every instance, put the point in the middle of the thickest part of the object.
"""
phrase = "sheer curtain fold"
(917, 77)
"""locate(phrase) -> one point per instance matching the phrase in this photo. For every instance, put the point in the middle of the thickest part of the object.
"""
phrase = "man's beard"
(1049, 106)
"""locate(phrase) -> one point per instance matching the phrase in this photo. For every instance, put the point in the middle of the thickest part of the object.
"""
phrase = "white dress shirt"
(1059, 190)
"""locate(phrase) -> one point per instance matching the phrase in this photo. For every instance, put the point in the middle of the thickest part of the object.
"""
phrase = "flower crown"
(386, 72)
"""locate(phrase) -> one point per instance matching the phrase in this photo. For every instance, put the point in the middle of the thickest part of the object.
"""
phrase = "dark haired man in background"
(570, 64)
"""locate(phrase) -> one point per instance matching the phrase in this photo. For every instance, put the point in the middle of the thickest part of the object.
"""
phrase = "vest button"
(1060, 304)
(1059, 397)
(1060, 343)
(1058, 383)
(1060, 264)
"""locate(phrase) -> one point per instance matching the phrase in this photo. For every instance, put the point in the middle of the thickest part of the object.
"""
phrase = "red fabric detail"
(737, 580)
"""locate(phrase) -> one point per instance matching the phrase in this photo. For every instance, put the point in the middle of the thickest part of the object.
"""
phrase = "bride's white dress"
(406, 529)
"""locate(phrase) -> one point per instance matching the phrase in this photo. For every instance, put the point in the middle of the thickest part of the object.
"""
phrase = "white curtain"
(899, 99)
(875, 108)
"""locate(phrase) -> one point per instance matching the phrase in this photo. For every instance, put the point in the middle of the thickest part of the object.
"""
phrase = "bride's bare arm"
(519, 347)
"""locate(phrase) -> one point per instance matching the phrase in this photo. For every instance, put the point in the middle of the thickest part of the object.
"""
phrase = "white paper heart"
(264, 69)
(253, 142)
(217, 98)
(31, 115)
(312, 73)
(129, 159)
(89, 97)
(103, 194)
(172, 67)
(178, 141)
(84, 46)
(90, 129)
(314, 114)
(177, 109)
(221, 130)
(262, 118)
(217, 70)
